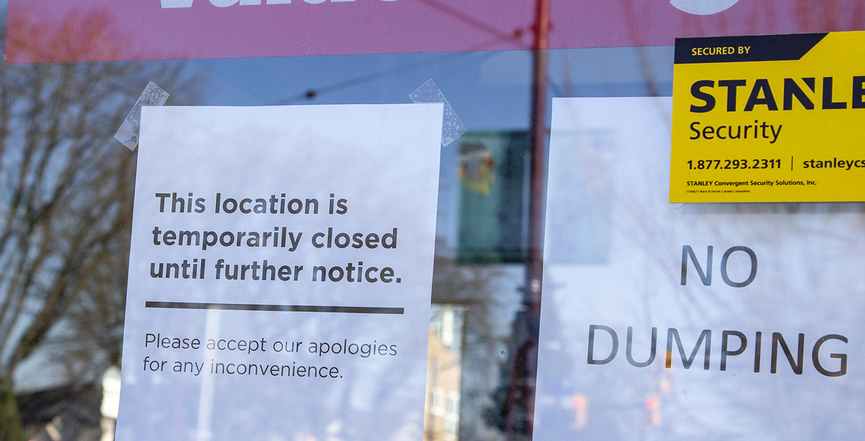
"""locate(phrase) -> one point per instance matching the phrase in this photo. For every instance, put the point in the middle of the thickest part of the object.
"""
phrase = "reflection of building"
(491, 217)
(442, 410)
(63, 413)
(73, 412)
(110, 402)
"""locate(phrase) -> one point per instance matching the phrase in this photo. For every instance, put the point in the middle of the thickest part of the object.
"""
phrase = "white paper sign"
(280, 273)
(671, 322)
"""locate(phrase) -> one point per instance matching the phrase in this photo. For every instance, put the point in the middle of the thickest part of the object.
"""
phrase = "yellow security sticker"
(771, 118)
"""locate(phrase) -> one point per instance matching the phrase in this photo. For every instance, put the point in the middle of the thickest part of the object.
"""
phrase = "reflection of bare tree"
(760, 18)
(470, 287)
(65, 203)
(816, 16)
(473, 290)
(81, 35)
(764, 18)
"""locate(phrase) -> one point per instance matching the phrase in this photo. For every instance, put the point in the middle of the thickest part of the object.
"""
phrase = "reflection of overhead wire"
(492, 30)
(368, 78)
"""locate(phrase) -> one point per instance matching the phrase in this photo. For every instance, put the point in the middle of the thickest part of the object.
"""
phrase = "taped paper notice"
(280, 273)
(127, 134)
(665, 322)
(452, 126)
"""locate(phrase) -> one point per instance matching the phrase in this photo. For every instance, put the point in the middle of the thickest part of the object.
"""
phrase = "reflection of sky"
(488, 90)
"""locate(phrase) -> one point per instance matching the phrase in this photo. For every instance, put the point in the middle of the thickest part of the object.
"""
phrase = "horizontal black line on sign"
(275, 308)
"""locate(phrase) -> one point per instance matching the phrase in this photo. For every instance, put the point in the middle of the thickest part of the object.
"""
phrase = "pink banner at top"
(104, 30)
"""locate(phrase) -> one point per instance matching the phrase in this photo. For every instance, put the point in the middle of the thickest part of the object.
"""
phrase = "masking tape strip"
(452, 127)
(127, 134)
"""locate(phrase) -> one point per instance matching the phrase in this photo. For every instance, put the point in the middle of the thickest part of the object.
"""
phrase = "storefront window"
(531, 238)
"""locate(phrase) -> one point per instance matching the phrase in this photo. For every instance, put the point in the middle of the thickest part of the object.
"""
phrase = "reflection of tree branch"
(513, 37)
(474, 288)
(66, 200)
(376, 76)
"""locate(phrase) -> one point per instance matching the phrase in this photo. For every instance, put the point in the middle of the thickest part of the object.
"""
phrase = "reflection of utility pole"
(538, 156)
(521, 389)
